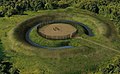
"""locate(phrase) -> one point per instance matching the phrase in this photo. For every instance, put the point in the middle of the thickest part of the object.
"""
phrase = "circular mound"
(57, 31)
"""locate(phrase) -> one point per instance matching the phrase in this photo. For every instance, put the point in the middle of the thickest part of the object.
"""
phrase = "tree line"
(11, 7)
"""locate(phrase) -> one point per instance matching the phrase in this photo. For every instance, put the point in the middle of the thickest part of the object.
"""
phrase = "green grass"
(85, 59)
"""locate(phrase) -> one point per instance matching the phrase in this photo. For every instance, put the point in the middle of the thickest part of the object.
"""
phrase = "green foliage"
(113, 67)
(6, 67)
(88, 5)
(48, 4)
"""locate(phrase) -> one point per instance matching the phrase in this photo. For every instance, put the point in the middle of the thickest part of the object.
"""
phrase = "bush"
(112, 67)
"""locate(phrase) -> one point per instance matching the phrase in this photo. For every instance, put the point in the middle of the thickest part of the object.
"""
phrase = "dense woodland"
(106, 7)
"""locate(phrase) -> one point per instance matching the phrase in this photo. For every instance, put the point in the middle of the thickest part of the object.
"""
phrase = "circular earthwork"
(64, 23)
(22, 31)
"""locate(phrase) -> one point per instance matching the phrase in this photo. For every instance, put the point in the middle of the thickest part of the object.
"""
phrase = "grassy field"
(80, 60)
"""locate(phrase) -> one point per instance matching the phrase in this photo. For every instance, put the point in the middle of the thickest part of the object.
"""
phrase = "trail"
(99, 44)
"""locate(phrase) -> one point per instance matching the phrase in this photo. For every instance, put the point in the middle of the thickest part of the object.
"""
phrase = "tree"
(48, 4)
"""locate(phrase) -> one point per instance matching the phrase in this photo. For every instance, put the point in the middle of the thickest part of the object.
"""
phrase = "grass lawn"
(85, 59)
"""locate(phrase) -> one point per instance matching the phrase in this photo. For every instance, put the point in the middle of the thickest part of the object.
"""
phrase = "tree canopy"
(11, 7)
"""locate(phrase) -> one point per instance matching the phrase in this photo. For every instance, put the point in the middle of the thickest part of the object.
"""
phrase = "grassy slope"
(83, 59)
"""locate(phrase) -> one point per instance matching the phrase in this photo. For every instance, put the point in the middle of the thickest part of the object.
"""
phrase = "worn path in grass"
(99, 44)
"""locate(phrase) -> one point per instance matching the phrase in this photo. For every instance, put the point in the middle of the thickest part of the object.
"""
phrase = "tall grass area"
(80, 60)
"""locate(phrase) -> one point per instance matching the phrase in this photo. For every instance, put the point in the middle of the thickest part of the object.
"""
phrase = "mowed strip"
(99, 44)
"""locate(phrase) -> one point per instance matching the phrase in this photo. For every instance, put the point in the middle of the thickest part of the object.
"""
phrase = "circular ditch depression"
(57, 31)
(53, 26)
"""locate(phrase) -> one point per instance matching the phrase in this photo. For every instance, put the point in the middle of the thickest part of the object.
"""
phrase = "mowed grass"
(30, 60)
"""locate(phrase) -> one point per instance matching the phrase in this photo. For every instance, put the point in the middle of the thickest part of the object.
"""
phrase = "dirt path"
(99, 44)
